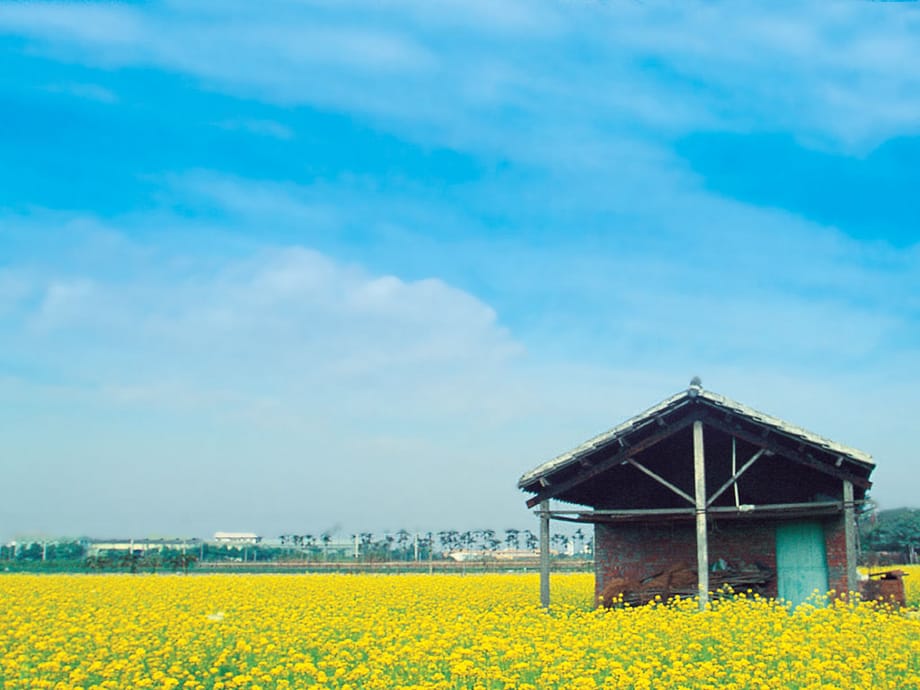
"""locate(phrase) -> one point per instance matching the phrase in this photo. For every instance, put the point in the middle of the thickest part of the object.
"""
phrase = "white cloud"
(683, 271)
(64, 302)
(289, 312)
(282, 369)
(90, 23)
(280, 356)
(92, 92)
(257, 201)
(461, 72)
(280, 363)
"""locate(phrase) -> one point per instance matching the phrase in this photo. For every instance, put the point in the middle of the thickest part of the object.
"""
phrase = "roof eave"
(605, 438)
(531, 481)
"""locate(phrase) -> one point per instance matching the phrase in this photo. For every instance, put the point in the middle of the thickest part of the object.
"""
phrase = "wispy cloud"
(652, 288)
(64, 301)
(86, 23)
(292, 308)
(376, 243)
(284, 343)
(823, 71)
(286, 357)
(93, 92)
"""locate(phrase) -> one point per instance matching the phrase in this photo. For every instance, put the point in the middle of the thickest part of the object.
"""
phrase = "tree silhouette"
(181, 560)
(402, 543)
(466, 540)
(366, 539)
(96, 562)
(489, 540)
(561, 541)
(130, 561)
(448, 539)
(530, 540)
(151, 559)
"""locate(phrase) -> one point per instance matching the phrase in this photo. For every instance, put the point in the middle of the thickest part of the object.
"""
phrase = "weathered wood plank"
(544, 553)
(702, 538)
(612, 515)
(849, 517)
(734, 478)
(661, 480)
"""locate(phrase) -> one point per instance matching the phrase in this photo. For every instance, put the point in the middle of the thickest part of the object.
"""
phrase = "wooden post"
(849, 517)
(544, 553)
(702, 543)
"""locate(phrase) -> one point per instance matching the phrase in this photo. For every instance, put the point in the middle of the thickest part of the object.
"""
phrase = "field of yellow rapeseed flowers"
(911, 580)
(912, 583)
(418, 631)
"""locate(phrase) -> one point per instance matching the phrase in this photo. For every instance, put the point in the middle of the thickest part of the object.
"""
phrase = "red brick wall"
(638, 550)
(835, 541)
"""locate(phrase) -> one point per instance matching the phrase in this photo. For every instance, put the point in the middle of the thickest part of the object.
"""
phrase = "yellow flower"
(420, 632)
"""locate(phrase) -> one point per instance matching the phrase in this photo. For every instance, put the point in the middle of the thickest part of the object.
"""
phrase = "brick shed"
(704, 490)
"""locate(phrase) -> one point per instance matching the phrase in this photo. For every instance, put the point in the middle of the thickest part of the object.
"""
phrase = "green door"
(801, 561)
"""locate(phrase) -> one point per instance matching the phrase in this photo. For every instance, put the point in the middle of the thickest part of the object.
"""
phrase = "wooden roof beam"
(607, 463)
(786, 452)
(787, 510)
(661, 480)
(736, 476)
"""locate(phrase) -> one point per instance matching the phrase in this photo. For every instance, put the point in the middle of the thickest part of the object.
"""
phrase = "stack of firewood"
(680, 580)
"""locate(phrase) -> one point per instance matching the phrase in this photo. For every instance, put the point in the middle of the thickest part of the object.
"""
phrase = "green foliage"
(36, 551)
(891, 530)
(307, 550)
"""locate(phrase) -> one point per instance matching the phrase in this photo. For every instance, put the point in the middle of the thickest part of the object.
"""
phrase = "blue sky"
(291, 266)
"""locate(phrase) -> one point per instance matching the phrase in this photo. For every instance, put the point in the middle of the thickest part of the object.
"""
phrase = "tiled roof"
(686, 397)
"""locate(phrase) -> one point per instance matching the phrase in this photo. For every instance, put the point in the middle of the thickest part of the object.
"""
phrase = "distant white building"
(461, 556)
(516, 554)
(94, 547)
(499, 555)
(236, 538)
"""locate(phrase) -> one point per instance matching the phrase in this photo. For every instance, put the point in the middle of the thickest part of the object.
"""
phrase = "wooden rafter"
(766, 441)
(597, 468)
(734, 478)
(661, 480)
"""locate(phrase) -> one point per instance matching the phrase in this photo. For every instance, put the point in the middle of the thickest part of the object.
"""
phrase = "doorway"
(801, 561)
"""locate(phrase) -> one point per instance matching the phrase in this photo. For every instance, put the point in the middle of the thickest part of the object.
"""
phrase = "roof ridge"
(695, 391)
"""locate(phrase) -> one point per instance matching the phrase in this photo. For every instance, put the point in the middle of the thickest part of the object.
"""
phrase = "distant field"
(476, 632)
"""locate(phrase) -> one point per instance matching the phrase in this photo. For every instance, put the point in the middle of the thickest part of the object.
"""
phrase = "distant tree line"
(403, 545)
(152, 560)
(43, 551)
(368, 547)
(895, 532)
(893, 535)
(70, 555)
